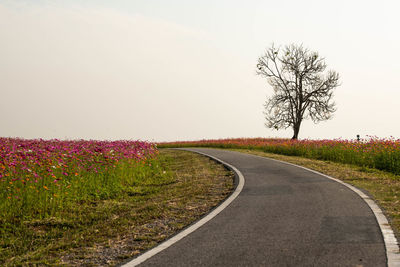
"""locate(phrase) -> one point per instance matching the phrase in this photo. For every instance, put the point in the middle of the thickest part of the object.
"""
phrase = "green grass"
(149, 203)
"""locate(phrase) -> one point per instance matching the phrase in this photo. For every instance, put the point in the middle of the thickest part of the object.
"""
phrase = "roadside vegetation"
(98, 203)
(372, 165)
(381, 154)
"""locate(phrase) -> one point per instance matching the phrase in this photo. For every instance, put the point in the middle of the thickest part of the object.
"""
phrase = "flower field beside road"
(373, 152)
(40, 178)
(75, 203)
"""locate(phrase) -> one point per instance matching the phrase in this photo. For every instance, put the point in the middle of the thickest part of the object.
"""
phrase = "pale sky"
(185, 70)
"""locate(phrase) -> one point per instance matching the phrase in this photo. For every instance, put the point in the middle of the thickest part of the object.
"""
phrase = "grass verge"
(108, 231)
(383, 187)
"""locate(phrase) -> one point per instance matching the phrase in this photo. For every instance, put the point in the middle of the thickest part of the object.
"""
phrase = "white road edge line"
(145, 256)
(391, 244)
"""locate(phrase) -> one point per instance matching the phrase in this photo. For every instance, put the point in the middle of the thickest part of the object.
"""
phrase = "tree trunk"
(296, 129)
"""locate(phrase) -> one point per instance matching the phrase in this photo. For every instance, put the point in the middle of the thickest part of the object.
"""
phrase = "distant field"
(381, 154)
(98, 202)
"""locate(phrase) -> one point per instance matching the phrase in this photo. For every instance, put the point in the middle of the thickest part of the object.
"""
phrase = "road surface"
(284, 216)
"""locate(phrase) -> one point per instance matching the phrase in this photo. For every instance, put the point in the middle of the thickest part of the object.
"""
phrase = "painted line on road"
(391, 243)
(145, 256)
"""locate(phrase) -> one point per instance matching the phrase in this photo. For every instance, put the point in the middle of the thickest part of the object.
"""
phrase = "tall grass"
(40, 178)
(382, 154)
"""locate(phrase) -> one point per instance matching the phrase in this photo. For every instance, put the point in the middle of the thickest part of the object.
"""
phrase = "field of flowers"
(40, 178)
(373, 152)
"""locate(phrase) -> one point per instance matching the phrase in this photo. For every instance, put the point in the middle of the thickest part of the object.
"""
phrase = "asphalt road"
(284, 216)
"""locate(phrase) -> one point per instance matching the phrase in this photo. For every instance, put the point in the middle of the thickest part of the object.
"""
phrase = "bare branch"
(301, 89)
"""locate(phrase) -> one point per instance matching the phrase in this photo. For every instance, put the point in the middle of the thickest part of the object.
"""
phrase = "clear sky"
(185, 70)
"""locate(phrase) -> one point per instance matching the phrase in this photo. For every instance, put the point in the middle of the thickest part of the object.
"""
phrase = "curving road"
(284, 216)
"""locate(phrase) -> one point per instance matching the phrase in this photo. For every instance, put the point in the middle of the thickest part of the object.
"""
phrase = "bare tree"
(301, 88)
